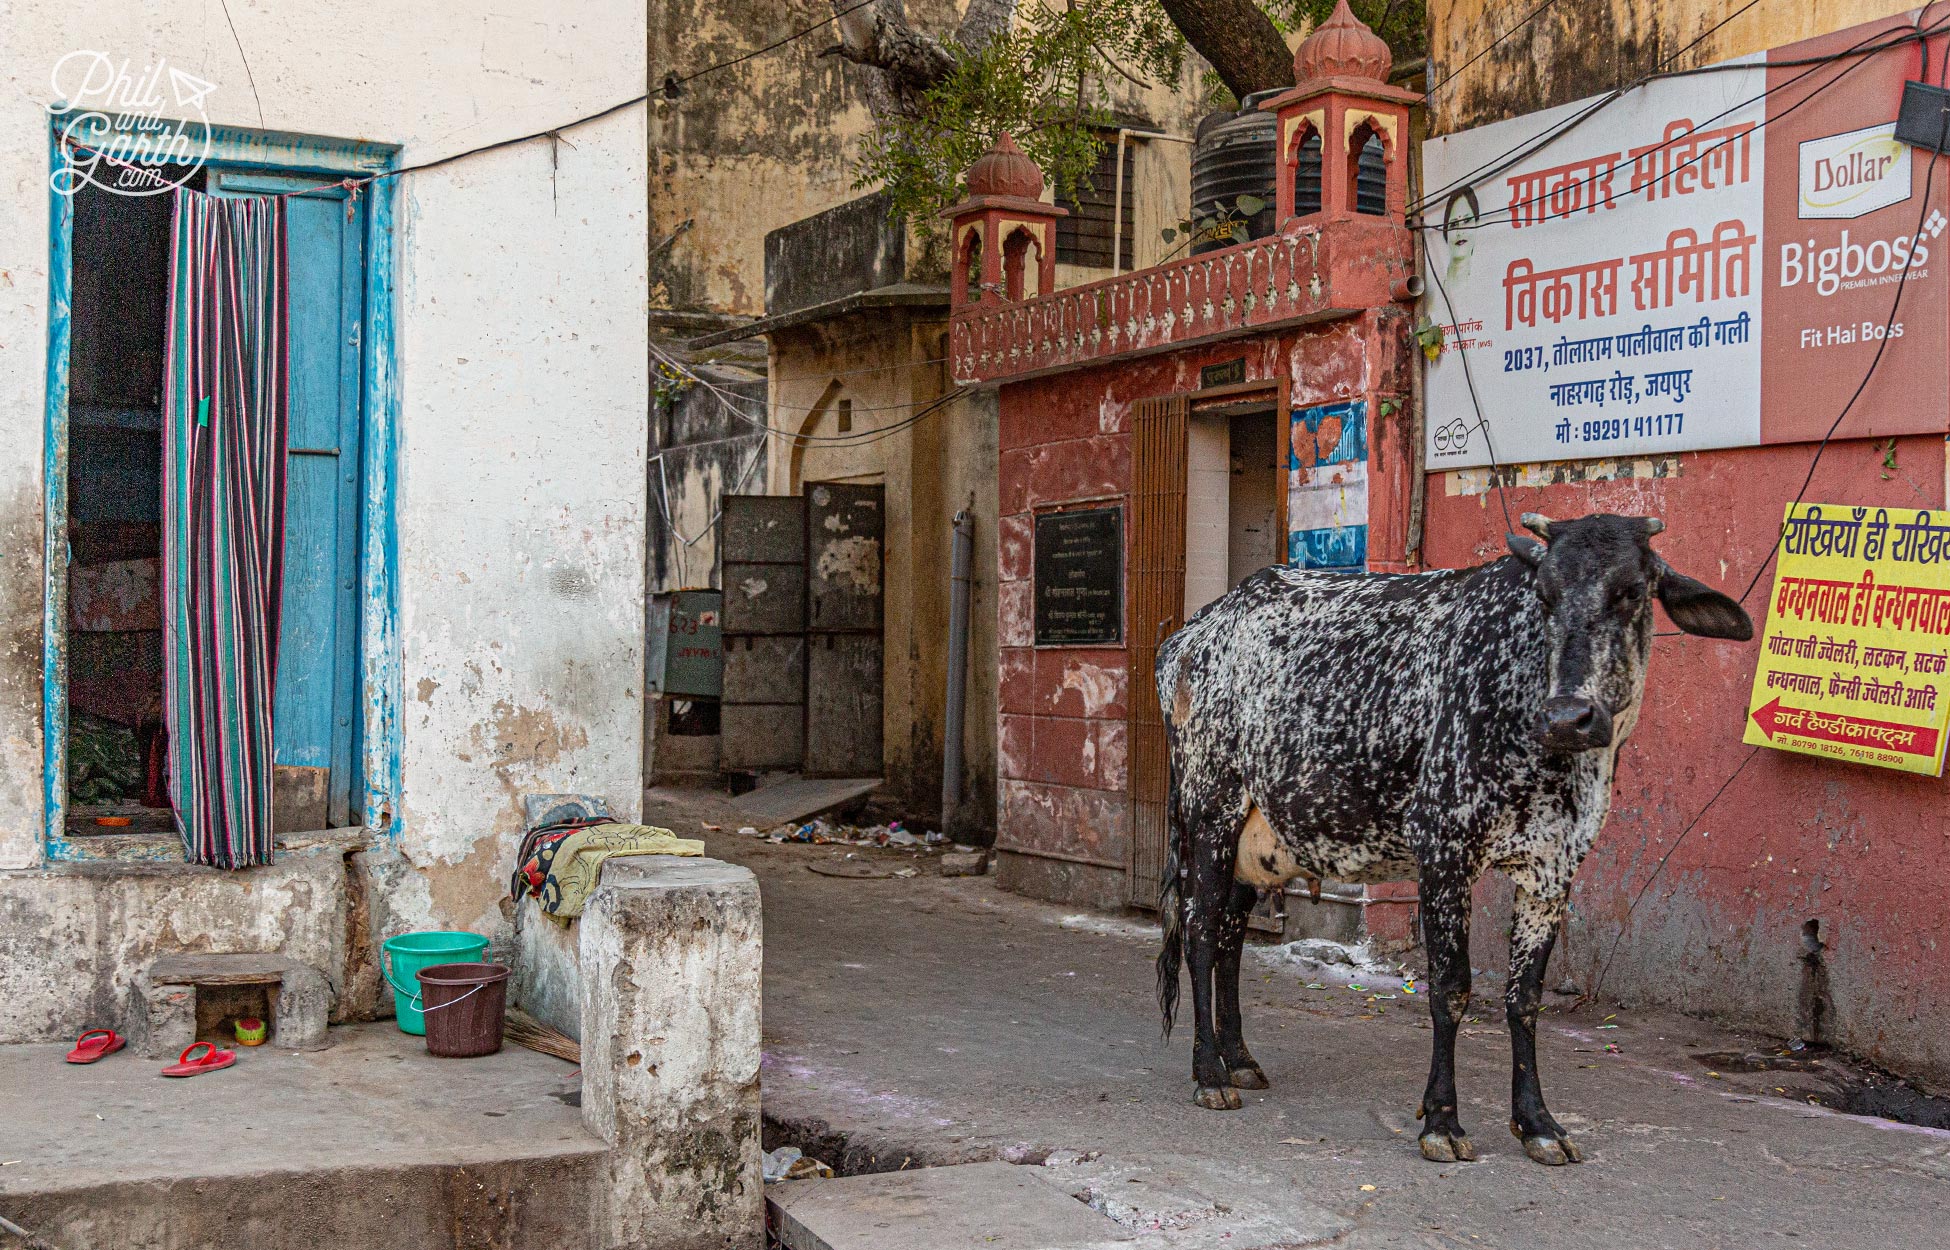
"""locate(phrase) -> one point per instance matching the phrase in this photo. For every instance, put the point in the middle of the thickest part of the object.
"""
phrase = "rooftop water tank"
(1233, 154)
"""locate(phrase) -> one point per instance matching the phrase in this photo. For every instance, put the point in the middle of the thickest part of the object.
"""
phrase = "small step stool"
(297, 999)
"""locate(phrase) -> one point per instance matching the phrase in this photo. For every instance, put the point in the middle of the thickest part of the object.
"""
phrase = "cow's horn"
(1653, 525)
(1538, 524)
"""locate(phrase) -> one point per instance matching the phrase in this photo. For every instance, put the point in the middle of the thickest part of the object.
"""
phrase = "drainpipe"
(1418, 415)
(1117, 211)
(959, 574)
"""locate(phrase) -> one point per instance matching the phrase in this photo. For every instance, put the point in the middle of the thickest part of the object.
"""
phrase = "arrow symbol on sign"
(1834, 727)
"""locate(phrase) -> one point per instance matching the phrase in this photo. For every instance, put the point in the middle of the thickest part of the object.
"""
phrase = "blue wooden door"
(314, 720)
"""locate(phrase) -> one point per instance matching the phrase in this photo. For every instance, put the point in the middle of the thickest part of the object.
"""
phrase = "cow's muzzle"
(1570, 723)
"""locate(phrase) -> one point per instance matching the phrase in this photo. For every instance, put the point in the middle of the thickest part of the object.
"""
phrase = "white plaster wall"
(522, 349)
(1208, 487)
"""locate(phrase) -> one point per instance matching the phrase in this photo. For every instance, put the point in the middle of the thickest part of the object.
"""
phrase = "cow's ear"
(1525, 548)
(1699, 609)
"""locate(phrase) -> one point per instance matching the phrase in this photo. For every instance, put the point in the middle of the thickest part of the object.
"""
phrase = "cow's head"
(1596, 577)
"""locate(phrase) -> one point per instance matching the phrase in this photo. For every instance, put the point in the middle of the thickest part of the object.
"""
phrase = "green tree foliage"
(1044, 82)
(1047, 82)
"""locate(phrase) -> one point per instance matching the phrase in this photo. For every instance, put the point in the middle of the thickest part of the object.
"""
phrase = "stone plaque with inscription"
(1079, 577)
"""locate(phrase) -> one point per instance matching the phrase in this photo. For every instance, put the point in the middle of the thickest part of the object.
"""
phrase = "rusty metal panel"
(845, 531)
(764, 529)
(1157, 603)
(843, 705)
(754, 737)
(762, 708)
(765, 668)
(845, 528)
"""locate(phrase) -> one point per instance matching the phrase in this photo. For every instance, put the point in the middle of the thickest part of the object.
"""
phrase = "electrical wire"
(1656, 868)
(553, 132)
(731, 402)
(1882, 343)
(1510, 212)
(1522, 22)
(1867, 46)
(1708, 33)
(671, 83)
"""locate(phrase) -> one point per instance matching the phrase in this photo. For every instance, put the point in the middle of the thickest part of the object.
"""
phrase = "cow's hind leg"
(1533, 931)
(1445, 933)
(1208, 905)
(1242, 1071)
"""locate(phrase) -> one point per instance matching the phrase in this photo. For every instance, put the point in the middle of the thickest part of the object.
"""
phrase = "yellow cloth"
(579, 861)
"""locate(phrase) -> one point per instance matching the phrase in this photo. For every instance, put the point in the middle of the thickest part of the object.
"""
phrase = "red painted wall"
(1793, 838)
(1063, 776)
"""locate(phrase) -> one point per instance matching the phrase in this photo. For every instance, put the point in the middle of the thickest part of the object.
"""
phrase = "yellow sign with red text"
(1852, 663)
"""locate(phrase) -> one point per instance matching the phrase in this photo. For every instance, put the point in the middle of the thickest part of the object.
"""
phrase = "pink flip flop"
(209, 1061)
(95, 1043)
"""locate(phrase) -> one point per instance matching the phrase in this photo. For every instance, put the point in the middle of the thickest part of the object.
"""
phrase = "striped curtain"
(223, 519)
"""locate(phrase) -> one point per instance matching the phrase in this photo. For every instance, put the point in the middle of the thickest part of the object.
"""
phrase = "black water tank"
(1235, 154)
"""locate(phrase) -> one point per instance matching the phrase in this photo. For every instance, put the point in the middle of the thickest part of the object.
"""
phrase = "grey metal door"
(845, 542)
(763, 541)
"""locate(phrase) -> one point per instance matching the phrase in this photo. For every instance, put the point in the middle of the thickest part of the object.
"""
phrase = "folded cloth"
(538, 847)
(563, 870)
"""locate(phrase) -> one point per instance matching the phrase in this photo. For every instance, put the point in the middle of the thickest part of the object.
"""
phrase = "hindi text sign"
(1853, 660)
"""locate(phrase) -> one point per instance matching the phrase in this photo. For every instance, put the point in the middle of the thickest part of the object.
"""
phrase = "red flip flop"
(209, 1061)
(95, 1043)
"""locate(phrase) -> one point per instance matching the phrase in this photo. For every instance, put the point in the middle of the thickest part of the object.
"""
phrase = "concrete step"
(371, 1143)
(970, 1206)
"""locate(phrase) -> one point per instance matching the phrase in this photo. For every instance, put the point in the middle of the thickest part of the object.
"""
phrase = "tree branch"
(1242, 44)
(879, 36)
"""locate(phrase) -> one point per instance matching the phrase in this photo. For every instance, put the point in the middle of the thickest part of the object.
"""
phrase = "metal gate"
(802, 631)
(1157, 601)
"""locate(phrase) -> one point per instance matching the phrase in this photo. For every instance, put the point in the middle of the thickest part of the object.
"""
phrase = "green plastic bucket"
(406, 954)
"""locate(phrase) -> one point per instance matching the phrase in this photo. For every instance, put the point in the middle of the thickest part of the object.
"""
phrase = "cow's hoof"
(1218, 1098)
(1440, 1147)
(1248, 1078)
(1552, 1152)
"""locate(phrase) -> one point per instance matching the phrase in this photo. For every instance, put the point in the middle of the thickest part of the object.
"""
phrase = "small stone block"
(972, 1206)
(964, 863)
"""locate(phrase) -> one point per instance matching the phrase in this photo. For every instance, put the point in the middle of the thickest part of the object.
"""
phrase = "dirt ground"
(912, 1021)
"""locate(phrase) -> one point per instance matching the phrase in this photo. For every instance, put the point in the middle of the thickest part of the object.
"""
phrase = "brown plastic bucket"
(465, 1006)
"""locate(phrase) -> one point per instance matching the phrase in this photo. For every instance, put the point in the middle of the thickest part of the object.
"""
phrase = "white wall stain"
(853, 562)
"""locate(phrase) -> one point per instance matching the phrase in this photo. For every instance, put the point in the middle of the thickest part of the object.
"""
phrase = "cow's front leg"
(1533, 931)
(1242, 1071)
(1445, 934)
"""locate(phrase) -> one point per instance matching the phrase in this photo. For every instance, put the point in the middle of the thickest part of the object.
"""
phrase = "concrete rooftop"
(932, 1020)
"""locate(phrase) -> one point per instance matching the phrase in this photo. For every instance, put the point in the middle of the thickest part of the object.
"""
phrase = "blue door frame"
(260, 160)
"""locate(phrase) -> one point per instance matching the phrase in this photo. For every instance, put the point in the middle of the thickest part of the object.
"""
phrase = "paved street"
(928, 1020)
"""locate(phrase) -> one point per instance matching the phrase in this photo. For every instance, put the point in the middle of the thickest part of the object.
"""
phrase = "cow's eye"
(1627, 598)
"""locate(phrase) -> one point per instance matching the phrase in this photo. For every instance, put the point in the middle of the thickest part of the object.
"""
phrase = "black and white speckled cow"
(1427, 726)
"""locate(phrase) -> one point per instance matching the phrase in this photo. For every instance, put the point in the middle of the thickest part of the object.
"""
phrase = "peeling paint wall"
(751, 148)
(1570, 51)
(521, 376)
(1064, 811)
(777, 138)
(1719, 930)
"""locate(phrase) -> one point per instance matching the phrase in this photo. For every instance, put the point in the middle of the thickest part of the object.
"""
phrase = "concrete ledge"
(670, 961)
(75, 938)
(1061, 881)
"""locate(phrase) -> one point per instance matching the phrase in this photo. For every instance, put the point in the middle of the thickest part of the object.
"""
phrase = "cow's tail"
(1171, 910)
